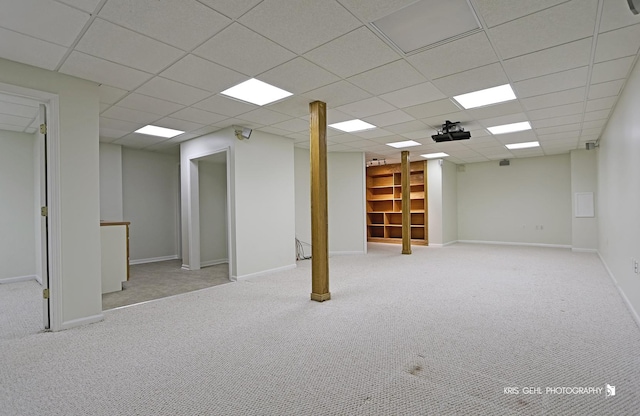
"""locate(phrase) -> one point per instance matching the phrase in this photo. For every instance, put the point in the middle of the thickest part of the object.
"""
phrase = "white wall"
(213, 213)
(449, 202)
(511, 203)
(584, 178)
(435, 202)
(261, 205)
(346, 187)
(78, 179)
(110, 182)
(618, 199)
(17, 203)
(150, 203)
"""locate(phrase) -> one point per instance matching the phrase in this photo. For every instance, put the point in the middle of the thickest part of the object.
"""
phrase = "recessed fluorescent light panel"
(435, 155)
(526, 145)
(352, 126)
(428, 23)
(407, 143)
(487, 96)
(159, 131)
(510, 128)
(256, 92)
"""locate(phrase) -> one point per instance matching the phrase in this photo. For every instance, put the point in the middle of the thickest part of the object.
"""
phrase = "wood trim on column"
(406, 203)
(319, 223)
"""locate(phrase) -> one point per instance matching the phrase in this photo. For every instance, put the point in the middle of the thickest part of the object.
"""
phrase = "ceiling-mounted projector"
(451, 131)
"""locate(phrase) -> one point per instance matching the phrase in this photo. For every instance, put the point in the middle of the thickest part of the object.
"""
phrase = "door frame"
(54, 242)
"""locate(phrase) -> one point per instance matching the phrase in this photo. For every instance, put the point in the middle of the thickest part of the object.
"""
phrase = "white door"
(44, 220)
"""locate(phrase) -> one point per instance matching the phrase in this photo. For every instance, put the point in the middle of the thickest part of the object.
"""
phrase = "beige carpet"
(151, 281)
(442, 332)
(20, 310)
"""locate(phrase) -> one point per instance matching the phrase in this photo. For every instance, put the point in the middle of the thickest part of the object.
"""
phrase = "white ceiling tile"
(264, 116)
(605, 89)
(104, 107)
(177, 124)
(274, 130)
(432, 109)
(588, 138)
(372, 10)
(414, 95)
(153, 105)
(473, 80)
(595, 124)
(138, 141)
(294, 106)
(618, 43)
(601, 103)
(335, 116)
(120, 125)
(30, 51)
(596, 115)
(556, 121)
(367, 107)
(298, 76)
(296, 25)
(88, 6)
(557, 59)
(387, 119)
(461, 55)
(553, 99)
(372, 134)
(517, 137)
(127, 114)
(98, 70)
(565, 80)
(110, 95)
(481, 142)
(616, 14)
(196, 115)
(339, 148)
(407, 127)
(338, 93)
(123, 46)
(498, 121)
(243, 50)
(353, 53)
(560, 129)
(190, 22)
(295, 125)
(547, 28)
(496, 110)
(45, 20)
(225, 106)
(203, 74)
(611, 70)
(231, 8)
(559, 111)
(387, 78)
(110, 133)
(496, 12)
(556, 137)
(173, 91)
(437, 121)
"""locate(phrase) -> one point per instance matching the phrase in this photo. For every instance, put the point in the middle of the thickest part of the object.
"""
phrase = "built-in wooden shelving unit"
(384, 203)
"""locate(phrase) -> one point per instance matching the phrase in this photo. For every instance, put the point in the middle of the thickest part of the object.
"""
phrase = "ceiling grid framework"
(166, 63)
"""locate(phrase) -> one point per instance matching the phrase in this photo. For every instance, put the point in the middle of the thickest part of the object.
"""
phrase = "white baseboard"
(450, 243)
(18, 279)
(634, 313)
(153, 259)
(265, 272)
(584, 250)
(507, 243)
(435, 245)
(81, 321)
(212, 262)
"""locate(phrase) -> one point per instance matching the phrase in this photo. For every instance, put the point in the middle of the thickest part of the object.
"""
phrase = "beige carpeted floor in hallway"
(151, 281)
(442, 332)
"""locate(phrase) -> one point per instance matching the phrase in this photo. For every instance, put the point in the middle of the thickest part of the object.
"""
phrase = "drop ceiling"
(166, 62)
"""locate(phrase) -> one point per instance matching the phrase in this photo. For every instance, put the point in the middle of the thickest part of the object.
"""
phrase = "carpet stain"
(415, 370)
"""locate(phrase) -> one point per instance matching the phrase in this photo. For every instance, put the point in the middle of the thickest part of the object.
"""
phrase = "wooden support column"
(319, 222)
(406, 202)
